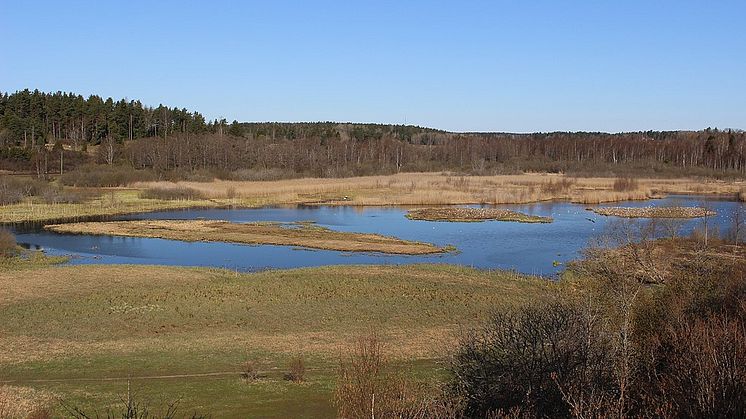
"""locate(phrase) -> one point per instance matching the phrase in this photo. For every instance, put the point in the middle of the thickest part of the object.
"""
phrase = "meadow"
(77, 333)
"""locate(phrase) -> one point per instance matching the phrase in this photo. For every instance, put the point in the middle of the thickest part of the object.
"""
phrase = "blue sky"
(461, 65)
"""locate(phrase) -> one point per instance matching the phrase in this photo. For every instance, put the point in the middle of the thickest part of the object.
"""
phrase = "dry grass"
(24, 402)
(443, 189)
(114, 201)
(311, 311)
(473, 215)
(292, 234)
(654, 212)
(399, 189)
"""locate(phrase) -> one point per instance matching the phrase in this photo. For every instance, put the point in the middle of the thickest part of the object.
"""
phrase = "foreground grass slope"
(77, 325)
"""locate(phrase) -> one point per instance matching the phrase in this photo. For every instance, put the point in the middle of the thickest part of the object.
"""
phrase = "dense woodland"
(52, 132)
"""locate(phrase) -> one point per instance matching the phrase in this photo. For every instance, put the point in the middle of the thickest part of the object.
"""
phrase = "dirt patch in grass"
(286, 234)
(473, 215)
(654, 212)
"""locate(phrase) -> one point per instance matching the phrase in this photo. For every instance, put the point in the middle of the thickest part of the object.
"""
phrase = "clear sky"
(457, 65)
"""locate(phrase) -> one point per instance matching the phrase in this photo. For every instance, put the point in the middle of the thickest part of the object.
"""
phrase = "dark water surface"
(528, 248)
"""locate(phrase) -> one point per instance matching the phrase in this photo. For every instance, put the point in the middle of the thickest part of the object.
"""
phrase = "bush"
(562, 185)
(8, 245)
(549, 358)
(106, 176)
(368, 386)
(179, 193)
(626, 184)
(297, 373)
(249, 371)
(15, 189)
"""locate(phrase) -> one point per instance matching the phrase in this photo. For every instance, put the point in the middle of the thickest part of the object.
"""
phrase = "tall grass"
(178, 193)
(626, 184)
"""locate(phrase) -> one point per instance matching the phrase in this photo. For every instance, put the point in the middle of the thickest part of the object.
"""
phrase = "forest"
(49, 133)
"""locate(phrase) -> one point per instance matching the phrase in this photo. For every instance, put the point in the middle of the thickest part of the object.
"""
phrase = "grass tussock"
(473, 215)
(654, 212)
(294, 234)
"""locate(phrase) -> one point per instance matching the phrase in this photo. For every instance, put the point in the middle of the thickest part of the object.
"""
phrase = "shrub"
(626, 184)
(562, 185)
(703, 370)
(367, 385)
(8, 245)
(15, 189)
(180, 193)
(550, 358)
(249, 371)
(106, 176)
(297, 373)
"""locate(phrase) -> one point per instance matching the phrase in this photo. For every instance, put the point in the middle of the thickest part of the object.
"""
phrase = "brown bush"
(249, 371)
(549, 358)
(704, 374)
(106, 176)
(297, 370)
(368, 385)
(563, 185)
(8, 246)
(15, 189)
(626, 184)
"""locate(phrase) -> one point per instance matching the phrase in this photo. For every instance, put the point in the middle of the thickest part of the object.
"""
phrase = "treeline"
(173, 139)
(345, 150)
(32, 118)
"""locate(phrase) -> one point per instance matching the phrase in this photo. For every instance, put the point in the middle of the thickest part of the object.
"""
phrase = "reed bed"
(655, 212)
(446, 188)
(407, 189)
(473, 215)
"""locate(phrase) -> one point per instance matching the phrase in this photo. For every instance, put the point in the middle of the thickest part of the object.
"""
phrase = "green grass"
(88, 322)
(30, 259)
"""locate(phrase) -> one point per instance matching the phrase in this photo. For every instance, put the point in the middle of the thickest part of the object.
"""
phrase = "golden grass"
(294, 234)
(114, 201)
(654, 212)
(473, 215)
(399, 189)
(444, 189)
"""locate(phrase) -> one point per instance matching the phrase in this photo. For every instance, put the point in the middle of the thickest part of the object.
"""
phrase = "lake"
(529, 248)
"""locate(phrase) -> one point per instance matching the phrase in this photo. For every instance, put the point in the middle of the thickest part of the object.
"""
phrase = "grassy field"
(78, 332)
(400, 189)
